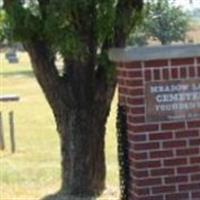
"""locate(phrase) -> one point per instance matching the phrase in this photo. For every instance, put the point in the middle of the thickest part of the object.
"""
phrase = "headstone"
(12, 58)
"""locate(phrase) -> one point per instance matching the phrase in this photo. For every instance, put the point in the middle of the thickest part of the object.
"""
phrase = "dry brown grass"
(193, 34)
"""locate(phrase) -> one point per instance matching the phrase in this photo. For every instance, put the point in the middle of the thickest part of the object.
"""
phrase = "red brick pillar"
(160, 90)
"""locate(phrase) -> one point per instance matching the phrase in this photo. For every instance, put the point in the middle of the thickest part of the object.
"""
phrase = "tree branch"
(42, 6)
(45, 70)
(124, 13)
(123, 23)
(43, 2)
(7, 3)
(43, 62)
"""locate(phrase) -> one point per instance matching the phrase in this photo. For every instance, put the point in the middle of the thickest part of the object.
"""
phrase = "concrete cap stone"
(154, 53)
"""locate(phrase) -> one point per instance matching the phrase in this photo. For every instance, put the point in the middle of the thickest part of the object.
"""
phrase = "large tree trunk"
(82, 147)
(81, 105)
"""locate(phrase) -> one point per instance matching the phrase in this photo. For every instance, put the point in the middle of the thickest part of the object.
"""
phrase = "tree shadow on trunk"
(61, 196)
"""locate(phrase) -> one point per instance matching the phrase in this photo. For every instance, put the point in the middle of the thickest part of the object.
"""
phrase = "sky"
(186, 3)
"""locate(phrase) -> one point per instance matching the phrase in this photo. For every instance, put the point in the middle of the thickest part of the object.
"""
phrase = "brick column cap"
(154, 53)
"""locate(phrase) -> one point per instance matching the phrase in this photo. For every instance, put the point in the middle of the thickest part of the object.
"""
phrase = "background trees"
(162, 21)
(2, 25)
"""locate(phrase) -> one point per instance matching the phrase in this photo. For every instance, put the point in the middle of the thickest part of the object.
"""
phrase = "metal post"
(2, 143)
(12, 131)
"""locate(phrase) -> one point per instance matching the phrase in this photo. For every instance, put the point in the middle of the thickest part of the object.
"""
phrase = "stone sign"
(173, 100)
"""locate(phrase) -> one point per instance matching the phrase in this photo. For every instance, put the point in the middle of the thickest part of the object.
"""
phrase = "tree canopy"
(68, 25)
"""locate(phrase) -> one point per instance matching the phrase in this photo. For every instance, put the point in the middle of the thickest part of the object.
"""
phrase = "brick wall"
(164, 156)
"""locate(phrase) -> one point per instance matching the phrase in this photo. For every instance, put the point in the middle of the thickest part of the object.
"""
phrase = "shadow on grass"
(27, 73)
(62, 196)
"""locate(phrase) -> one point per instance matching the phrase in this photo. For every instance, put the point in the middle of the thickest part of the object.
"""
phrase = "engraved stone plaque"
(173, 100)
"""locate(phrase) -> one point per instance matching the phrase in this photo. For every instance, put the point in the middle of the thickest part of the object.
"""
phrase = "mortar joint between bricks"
(196, 67)
(162, 163)
(144, 82)
(174, 153)
(160, 127)
(176, 187)
(187, 143)
(151, 191)
(148, 138)
(169, 68)
(190, 195)
(190, 178)
(174, 135)
(187, 72)
(195, 61)
(169, 62)
(186, 125)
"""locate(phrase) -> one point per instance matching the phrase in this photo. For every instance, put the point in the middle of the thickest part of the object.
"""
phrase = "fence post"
(2, 143)
(12, 131)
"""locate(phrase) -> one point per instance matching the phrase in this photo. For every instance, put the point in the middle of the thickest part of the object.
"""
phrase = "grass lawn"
(34, 170)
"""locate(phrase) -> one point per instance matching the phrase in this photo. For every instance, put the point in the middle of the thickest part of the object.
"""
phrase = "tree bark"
(82, 148)
(80, 108)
